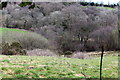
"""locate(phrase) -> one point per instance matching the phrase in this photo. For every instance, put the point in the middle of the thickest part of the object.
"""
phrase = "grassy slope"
(49, 67)
(107, 8)
(8, 29)
(10, 35)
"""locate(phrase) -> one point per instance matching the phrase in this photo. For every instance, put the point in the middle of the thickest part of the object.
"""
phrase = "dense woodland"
(67, 26)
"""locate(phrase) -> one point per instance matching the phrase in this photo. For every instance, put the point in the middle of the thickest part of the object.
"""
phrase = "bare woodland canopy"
(68, 27)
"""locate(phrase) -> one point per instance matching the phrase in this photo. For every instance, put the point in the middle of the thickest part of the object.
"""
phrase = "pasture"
(57, 67)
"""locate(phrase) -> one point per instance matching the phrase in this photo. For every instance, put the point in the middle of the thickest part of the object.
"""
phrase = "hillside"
(26, 38)
(51, 40)
(68, 26)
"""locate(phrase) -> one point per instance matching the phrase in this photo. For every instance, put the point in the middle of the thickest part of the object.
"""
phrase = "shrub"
(12, 49)
(16, 45)
(4, 47)
(68, 54)
(32, 41)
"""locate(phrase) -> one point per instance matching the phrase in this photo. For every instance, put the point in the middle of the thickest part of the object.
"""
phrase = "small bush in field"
(12, 49)
(68, 54)
(16, 45)
(79, 55)
(41, 52)
(5, 48)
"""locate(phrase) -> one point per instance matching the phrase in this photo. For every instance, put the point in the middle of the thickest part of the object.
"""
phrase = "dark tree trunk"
(78, 37)
(25, 24)
(82, 39)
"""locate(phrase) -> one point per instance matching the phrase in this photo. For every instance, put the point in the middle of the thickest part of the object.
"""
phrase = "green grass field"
(57, 67)
(107, 8)
(2, 30)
